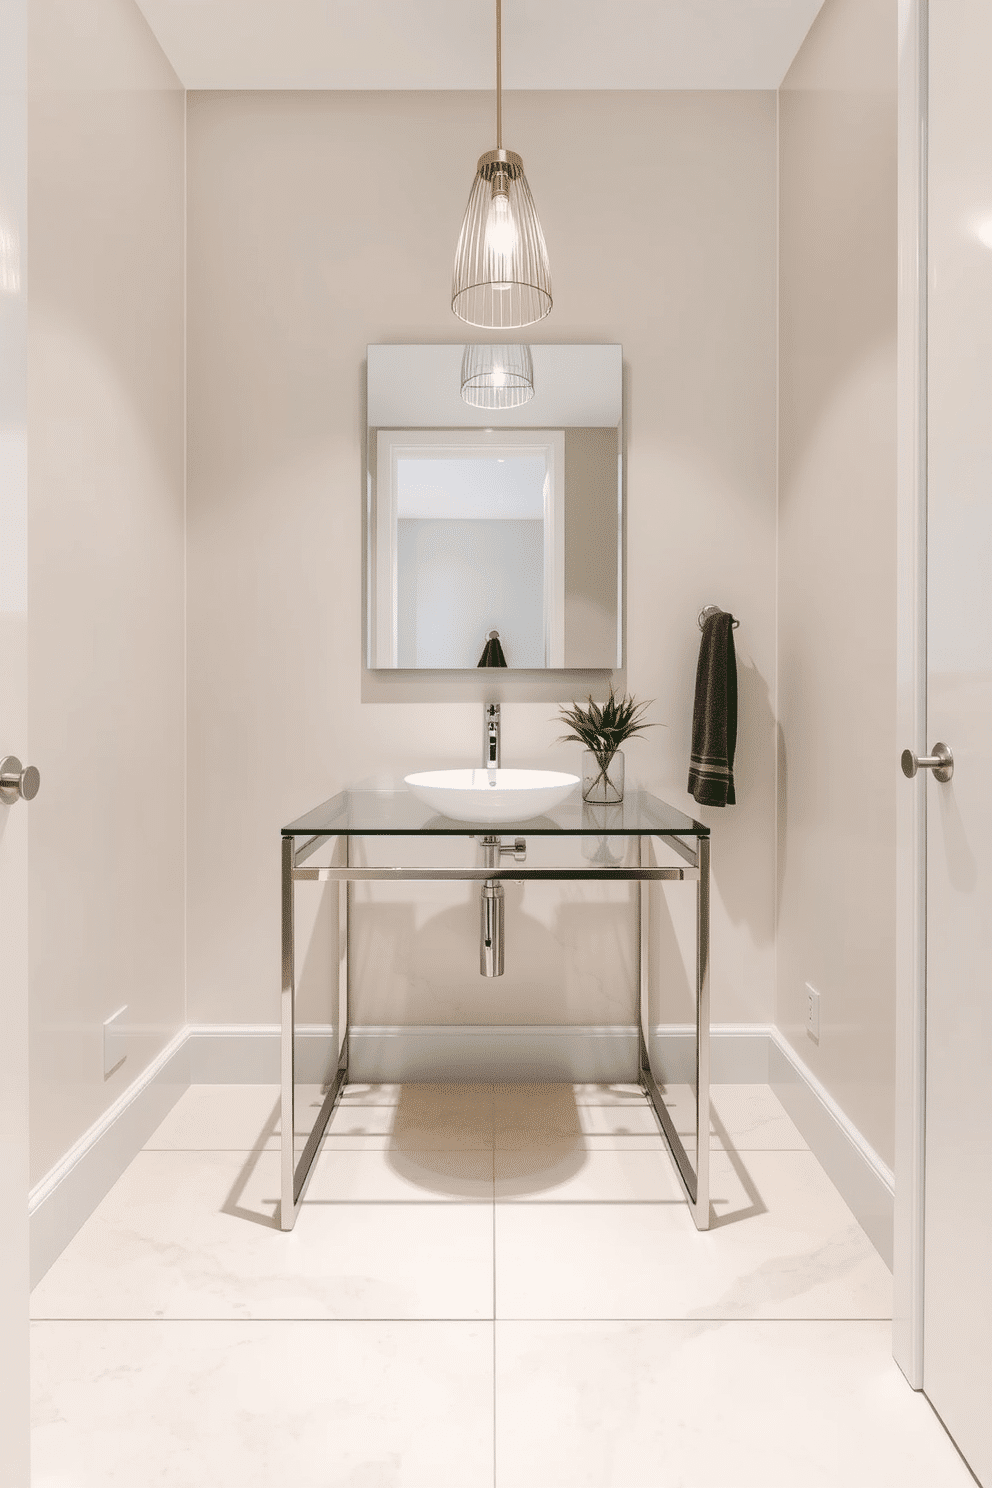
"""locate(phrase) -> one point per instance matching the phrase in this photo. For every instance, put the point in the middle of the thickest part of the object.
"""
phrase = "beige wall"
(838, 757)
(319, 223)
(105, 429)
(308, 239)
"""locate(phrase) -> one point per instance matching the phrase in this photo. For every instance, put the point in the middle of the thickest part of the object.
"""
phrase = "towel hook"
(712, 609)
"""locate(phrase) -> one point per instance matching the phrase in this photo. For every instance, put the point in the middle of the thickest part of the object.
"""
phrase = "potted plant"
(602, 729)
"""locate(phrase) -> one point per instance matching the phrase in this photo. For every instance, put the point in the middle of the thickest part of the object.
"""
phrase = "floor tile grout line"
(282, 1322)
(602, 1138)
(673, 1202)
(466, 1322)
(274, 1151)
(613, 1142)
(677, 1322)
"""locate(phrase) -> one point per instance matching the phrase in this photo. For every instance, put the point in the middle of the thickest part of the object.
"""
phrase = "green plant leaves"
(604, 728)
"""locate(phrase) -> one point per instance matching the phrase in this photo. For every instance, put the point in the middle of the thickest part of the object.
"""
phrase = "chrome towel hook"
(707, 611)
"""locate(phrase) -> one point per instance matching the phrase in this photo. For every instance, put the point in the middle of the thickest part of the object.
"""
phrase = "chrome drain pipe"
(491, 941)
(492, 905)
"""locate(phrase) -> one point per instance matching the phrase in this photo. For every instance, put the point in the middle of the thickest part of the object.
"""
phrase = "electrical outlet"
(114, 1042)
(812, 1013)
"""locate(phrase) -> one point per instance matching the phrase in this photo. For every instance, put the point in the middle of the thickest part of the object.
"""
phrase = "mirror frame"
(381, 410)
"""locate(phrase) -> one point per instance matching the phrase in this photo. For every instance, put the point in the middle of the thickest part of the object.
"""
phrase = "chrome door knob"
(941, 762)
(17, 782)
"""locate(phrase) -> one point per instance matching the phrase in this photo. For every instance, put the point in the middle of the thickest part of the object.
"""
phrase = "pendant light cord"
(499, 77)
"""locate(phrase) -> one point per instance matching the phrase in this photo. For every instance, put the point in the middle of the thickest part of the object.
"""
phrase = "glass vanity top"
(398, 813)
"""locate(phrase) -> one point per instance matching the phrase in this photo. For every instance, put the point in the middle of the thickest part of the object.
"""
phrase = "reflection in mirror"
(453, 505)
(497, 376)
(494, 519)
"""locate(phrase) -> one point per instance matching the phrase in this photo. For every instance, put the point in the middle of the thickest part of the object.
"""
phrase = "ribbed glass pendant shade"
(497, 376)
(502, 278)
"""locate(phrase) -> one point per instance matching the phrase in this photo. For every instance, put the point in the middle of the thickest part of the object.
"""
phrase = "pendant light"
(502, 278)
(497, 376)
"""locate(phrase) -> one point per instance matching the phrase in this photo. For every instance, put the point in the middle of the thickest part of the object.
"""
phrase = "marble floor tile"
(783, 1243)
(435, 1091)
(746, 1118)
(399, 1175)
(600, 1142)
(525, 1114)
(193, 1235)
(262, 1405)
(185, 1341)
(583, 1094)
(362, 1093)
(569, 1171)
(243, 1117)
(619, 1121)
(708, 1405)
(418, 1117)
(364, 1142)
(233, 1118)
(754, 1120)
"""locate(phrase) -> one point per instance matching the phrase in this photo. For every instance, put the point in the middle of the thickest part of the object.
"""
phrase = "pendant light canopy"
(497, 376)
(502, 278)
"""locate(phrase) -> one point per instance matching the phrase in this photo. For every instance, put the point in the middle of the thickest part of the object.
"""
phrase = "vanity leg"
(344, 916)
(297, 1168)
(701, 1207)
(695, 1177)
(287, 1208)
(644, 967)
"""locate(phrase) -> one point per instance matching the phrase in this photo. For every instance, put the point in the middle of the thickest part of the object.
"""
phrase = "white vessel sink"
(492, 795)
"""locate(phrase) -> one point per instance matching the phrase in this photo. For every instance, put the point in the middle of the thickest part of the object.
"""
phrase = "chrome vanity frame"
(694, 850)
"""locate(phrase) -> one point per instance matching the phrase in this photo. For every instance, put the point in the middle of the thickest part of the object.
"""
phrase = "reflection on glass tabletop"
(396, 811)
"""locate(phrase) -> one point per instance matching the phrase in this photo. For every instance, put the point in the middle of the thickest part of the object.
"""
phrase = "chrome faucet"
(490, 749)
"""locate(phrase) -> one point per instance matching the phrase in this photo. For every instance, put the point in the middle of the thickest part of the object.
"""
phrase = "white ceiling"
(433, 44)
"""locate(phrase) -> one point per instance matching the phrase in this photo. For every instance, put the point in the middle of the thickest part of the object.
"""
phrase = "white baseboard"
(416, 1053)
(70, 1191)
(249, 1054)
(738, 1053)
(599, 1054)
(865, 1183)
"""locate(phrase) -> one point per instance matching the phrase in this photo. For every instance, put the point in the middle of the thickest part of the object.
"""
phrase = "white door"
(957, 1236)
(14, 1471)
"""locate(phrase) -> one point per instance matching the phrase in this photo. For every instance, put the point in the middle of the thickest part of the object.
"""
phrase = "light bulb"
(498, 378)
(501, 230)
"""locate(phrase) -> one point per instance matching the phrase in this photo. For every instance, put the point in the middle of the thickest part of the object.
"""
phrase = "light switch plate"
(812, 1013)
(114, 1042)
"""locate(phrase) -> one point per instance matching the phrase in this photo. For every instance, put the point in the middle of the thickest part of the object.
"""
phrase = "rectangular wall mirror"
(484, 519)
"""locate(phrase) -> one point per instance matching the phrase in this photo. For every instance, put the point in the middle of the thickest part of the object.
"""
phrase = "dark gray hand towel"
(492, 654)
(714, 716)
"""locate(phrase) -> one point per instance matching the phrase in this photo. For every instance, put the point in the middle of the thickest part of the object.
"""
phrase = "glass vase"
(602, 786)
